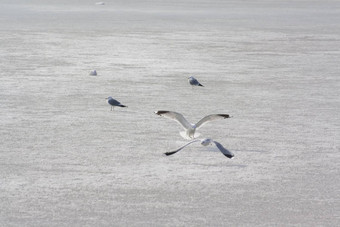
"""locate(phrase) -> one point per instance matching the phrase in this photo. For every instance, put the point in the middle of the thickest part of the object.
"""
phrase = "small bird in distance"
(93, 73)
(112, 102)
(194, 82)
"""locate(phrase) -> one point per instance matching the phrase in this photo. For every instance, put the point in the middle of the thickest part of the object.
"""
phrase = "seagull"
(93, 73)
(114, 103)
(194, 82)
(190, 129)
(205, 142)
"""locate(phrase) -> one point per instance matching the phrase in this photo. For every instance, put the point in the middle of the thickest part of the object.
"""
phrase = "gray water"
(67, 160)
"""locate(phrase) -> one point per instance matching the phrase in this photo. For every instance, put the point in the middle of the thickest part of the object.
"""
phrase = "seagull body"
(114, 103)
(93, 73)
(190, 129)
(205, 142)
(194, 82)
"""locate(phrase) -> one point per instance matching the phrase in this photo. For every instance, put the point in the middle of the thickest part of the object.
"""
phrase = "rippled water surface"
(67, 160)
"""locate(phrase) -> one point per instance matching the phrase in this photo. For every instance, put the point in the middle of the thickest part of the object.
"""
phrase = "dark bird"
(114, 103)
(194, 82)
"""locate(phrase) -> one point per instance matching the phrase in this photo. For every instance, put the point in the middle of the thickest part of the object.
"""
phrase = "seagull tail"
(200, 85)
(122, 105)
(184, 135)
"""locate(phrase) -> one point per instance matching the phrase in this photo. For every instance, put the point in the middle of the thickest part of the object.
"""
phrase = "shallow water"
(66, 159)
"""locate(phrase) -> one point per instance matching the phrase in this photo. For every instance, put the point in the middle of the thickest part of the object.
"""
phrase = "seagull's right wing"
(173, 152)
(175, 116)
(223, 150)
(211, 117)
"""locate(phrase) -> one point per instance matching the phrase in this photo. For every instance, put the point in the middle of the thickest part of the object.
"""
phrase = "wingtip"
(225, 115)
(160, 112)
(229, 156)
(170, 153)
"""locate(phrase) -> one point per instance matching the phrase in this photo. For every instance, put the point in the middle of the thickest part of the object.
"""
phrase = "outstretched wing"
(224, 151)
(173, 152)
(211, 117)
(176, 117)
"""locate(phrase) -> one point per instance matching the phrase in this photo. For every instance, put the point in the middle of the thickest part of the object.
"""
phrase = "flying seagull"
(205, 142)
(190, 129)
(114, 103)
(194, 82)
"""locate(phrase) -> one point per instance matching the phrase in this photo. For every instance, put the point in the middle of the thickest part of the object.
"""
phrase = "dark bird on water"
(194, 82)
(114, 103)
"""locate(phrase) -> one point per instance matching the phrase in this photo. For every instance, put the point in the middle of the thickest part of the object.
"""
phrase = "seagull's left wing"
(113, 102)
(173, 152)
(211, 117)
(224, 151)
(175, 116)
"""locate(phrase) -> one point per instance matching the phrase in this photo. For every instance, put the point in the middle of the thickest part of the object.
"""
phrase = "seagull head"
(108, 98)
(205, 142)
